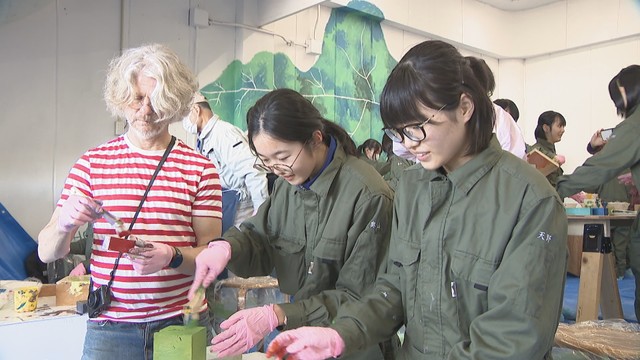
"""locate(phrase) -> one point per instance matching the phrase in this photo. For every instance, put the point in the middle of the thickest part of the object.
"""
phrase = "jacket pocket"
(330, 251)
(288, 259)
(405, 258)
(471, 276)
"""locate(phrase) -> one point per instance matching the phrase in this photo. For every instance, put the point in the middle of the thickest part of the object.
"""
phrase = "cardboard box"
(47, 290)
(72, 289)
(542, 162)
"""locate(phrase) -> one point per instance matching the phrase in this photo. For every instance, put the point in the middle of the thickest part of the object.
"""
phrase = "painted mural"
(344, 84)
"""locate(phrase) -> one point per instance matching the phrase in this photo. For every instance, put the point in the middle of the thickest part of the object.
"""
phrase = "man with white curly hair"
(166, 195)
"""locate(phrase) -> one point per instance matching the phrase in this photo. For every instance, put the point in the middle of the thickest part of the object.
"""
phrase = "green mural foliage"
(344, 84)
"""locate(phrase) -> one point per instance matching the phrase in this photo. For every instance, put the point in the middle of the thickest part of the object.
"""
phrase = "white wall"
(55, 53)
(559, 56)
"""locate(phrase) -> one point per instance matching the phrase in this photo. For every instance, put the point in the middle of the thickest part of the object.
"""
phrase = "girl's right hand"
(596, 140)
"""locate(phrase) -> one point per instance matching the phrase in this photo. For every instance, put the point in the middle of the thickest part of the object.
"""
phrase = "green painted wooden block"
(180, 343)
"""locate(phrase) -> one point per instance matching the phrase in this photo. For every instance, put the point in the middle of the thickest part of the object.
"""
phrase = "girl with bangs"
(478, 239)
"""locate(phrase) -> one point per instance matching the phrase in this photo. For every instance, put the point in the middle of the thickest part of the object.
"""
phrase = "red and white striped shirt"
(117, 173)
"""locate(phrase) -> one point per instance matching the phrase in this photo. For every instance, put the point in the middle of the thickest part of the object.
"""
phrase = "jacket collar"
(208, 128)
(323, 182)
(546, 144)
(465, 177)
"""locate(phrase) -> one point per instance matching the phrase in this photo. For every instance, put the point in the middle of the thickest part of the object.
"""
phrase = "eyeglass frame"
(402, 133)
(138, 104)
(286, 170)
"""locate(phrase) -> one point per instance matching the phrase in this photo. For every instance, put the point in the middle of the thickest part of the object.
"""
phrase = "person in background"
(395, 163)
(621, 153)
(549, 131)
(83, 246)
(370, 151)
(324, 229)
(506, 130)
(475, 271)
(510, 107)
(151, 88)
(614, 190)
(244, 188)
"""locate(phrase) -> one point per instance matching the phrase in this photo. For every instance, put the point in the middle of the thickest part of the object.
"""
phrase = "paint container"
(25, 299)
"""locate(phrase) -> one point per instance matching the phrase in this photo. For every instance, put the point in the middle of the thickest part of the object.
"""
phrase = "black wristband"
(177, 258)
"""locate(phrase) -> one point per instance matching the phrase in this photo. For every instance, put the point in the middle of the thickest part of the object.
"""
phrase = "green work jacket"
(621, 153)
(327, 244)
(477, 265)
(549, 149)
(396, 167)
(381, 166)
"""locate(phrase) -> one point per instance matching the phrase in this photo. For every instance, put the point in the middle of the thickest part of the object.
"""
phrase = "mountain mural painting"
(344, 84)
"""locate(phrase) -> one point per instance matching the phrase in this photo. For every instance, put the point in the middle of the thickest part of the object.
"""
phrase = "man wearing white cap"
(244, 188)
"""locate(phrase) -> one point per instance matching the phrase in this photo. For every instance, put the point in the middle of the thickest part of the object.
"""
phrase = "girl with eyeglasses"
(324, 230)
(477, 257)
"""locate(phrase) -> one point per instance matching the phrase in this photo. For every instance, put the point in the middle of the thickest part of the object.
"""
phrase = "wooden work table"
(576, 228)
(598, 285)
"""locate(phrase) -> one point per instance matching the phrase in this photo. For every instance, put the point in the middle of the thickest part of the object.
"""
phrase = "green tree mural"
(344, 84)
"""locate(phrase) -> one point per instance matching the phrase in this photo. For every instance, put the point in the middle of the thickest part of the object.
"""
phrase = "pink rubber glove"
(76, 211)
(209, 264)
(243, 330)
(578, 197)
(307, 343)
(78, 270)
(626, 179)
(150, 259)
(560, 159)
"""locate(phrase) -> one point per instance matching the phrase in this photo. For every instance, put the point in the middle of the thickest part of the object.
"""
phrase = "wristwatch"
(177, 258)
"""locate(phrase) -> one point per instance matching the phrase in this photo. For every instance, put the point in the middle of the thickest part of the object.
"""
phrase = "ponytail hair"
(548, 118)
(341, 135)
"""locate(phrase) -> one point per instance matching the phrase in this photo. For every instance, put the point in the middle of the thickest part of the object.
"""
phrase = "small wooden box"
(542, 162)
(72, 289)
(180, 343)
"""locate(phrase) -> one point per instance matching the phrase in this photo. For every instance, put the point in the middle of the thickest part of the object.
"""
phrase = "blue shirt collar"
(333, 144)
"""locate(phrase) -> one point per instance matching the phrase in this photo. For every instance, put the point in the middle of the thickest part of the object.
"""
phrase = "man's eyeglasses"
(139, 102)
(414, 132)
(281, 169)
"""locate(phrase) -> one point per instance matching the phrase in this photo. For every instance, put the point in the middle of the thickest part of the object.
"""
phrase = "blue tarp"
(15, 245)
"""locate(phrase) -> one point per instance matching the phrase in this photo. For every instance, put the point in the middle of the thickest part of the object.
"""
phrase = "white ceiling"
(517, 5)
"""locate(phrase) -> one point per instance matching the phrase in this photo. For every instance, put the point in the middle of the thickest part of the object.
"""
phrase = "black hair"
(286, 115)
(369, 144)
(435, 75)
(204, 105)
(548, 118)
(629, 79)
(483, 73)
(508, 106)
(387, 145)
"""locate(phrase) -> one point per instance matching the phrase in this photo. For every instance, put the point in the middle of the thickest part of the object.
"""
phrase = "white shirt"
(508, 133)
(228, 148)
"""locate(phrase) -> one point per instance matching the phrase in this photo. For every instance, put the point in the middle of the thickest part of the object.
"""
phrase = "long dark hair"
(629, 79)
(434, 74)
(286, 115)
